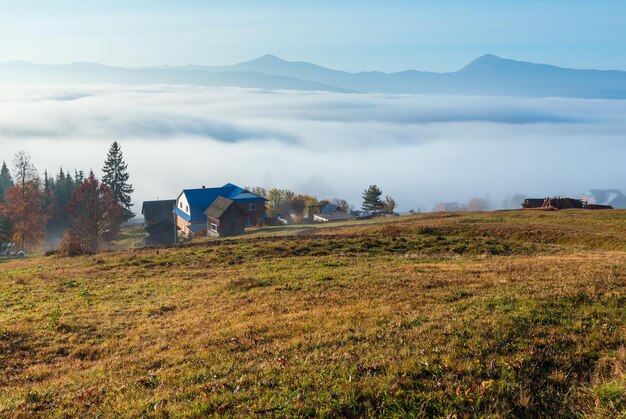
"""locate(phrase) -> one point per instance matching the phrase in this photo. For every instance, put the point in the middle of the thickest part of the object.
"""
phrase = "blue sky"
(436, 35)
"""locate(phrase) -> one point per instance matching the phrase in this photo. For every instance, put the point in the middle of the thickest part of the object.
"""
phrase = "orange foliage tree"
(23, 208)
(478, 204)
(95, 218)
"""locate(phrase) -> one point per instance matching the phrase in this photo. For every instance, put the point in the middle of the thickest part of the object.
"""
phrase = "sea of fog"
(418, 149)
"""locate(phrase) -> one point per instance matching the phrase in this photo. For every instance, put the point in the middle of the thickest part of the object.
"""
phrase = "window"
(251, 207)
(214, 228)
(187, 210)
(248, 222)
(180, 204)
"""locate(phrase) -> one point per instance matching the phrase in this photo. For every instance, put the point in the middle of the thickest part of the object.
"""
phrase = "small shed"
(335, 216)
(159, 222)
(329, 209)
(225, 218)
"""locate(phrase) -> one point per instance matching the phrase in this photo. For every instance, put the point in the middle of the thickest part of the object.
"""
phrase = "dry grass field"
(479, 314)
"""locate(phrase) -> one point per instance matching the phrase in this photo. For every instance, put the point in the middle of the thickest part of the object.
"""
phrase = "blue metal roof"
(201, 199)
(182, 215)
(246, 197)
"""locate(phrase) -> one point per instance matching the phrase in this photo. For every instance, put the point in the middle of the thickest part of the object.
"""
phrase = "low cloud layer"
(419, 149)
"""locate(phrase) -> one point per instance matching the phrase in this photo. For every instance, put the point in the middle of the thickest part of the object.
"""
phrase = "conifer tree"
(47, 202)
(63, 188)
(6, 181)
(371, 199)
(116, 177)
(79, 177)
(5, 227)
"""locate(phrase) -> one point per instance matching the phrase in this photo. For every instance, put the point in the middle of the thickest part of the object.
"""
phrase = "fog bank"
(418, 149)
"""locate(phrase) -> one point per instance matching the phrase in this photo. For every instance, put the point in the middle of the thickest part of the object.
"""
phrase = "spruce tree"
(48, 194)
(371, 199)
(116, 177)
(6, 181)
(79, 177)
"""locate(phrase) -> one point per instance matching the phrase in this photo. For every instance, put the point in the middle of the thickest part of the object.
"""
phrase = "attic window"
(187, 210)
(251, 207)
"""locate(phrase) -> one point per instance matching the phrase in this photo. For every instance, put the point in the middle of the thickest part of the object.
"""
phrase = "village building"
(449, 206)
(329, 208)
(333, 216)
(225, 218)
(192, 204)
(331, 212)
(159, 222)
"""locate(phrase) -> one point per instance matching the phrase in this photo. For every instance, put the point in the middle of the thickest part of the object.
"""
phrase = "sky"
(352, 35)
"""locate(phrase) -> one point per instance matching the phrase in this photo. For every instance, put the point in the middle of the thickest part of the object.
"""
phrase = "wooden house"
(225, 218)
(192, 204)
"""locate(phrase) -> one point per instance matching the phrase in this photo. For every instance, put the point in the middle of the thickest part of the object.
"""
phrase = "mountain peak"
(486, 63)
(268, 58)
(488, 58)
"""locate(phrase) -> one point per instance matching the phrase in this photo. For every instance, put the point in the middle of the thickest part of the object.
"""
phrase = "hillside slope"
(507, 313)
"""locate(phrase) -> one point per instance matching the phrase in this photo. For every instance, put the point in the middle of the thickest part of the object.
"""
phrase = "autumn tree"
(312, 205)
(301, 206)
(342, 204)
(22, 204)
(257, 190)
(24, 168)
(371, 199)
(279, 202)
(389, 204)
(116, 178)
(96, 217)
(478, 204)
(23, 209)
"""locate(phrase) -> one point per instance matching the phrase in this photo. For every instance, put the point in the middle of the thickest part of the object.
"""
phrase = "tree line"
(76, 212)
(297, 207)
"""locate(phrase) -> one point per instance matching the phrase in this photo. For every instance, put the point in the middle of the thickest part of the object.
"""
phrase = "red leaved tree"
(23, 207)
(95, 218)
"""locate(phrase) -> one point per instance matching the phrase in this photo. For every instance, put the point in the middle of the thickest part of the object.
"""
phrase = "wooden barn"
(225, 218)
(159, 222)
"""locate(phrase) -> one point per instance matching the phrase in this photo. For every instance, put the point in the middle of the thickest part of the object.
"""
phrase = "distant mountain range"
(486, 75)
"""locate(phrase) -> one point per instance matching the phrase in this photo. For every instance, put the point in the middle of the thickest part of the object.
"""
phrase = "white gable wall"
(182, 204)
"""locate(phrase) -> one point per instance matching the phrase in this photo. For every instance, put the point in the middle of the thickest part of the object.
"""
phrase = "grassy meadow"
(502, 314)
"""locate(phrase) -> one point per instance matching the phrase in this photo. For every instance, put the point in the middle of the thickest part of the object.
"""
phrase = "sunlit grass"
(505, 314)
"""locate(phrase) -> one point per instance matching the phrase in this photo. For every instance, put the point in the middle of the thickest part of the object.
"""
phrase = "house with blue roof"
(192, 205)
